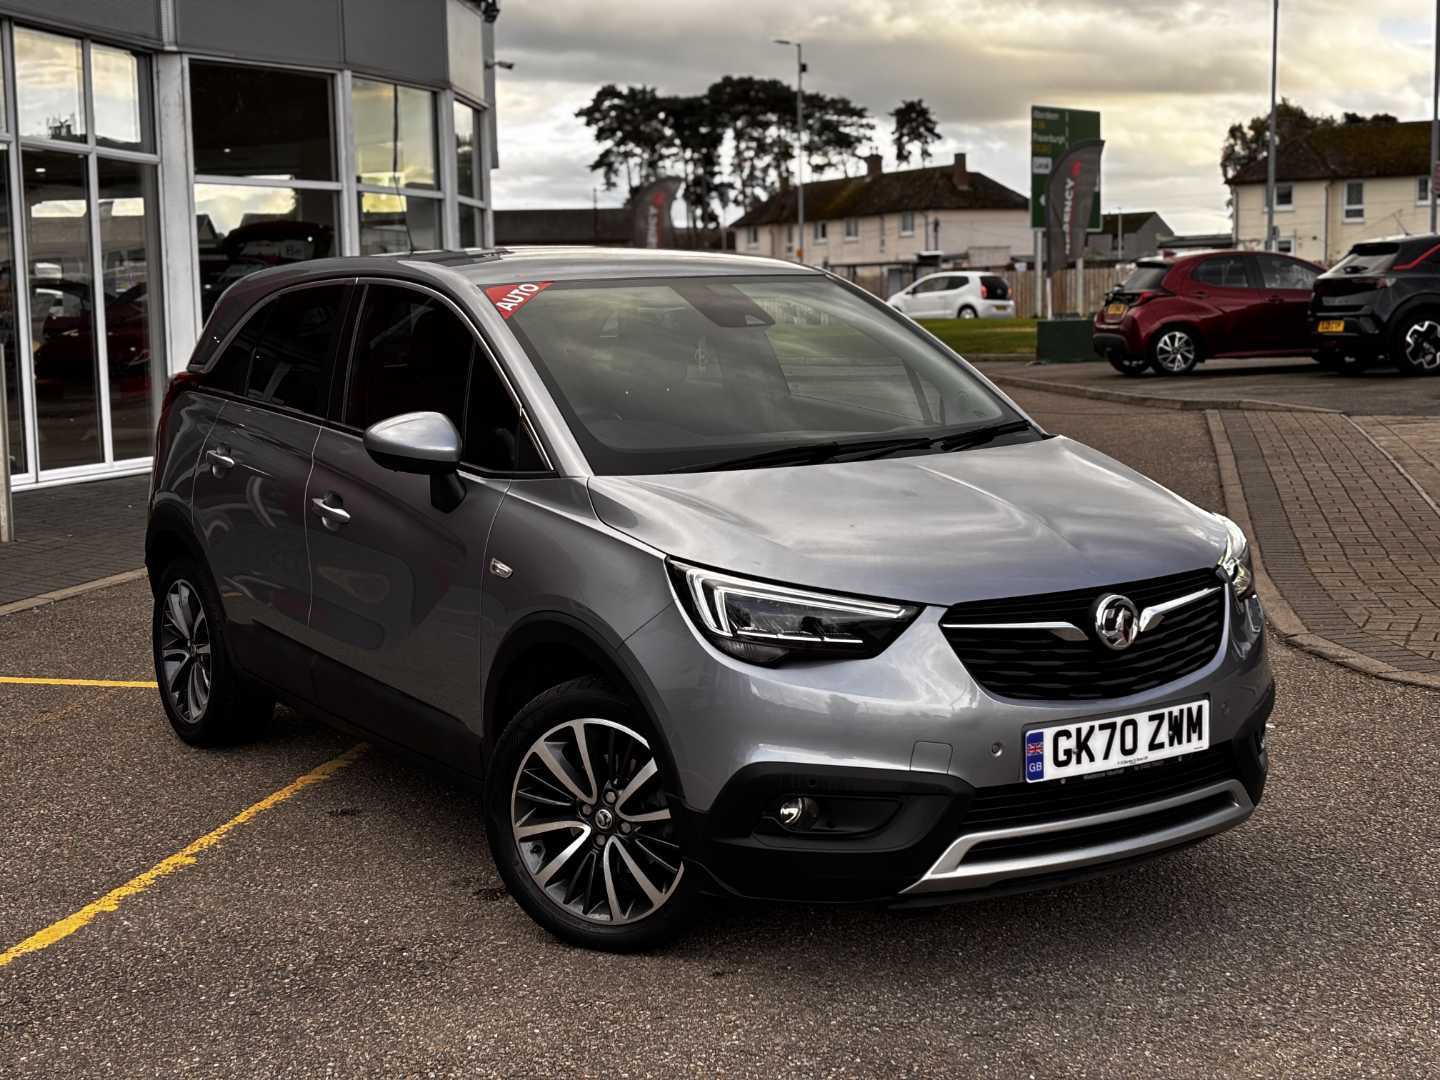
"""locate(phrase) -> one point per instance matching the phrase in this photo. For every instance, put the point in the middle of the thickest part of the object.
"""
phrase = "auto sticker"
(509, 299)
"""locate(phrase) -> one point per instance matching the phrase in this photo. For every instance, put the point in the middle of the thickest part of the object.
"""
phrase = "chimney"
(960, 174)
(874, 165)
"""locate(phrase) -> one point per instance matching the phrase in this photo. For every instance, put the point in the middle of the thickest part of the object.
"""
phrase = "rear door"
(1288, 284)
(398, 581)
(952, 294)
(1224, 283)
(249, 502)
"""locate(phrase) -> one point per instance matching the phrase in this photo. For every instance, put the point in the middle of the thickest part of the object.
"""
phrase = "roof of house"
(585, 225)
(1132, 221)
(1348, 152)
(932, 188)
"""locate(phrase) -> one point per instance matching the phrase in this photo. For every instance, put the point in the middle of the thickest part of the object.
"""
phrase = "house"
(1337, 186)
(1126, 237)
(884, 229)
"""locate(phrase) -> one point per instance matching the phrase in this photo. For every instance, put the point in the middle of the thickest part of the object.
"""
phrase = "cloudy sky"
(1168, 75)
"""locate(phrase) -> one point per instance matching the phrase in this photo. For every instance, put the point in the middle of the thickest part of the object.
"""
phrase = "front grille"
(1019, 804)
(1035, 665)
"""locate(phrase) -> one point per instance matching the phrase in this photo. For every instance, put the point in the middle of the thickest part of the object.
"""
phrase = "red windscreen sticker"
(509, 299)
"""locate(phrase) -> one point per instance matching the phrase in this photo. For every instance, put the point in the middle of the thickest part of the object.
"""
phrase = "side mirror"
(425, 443)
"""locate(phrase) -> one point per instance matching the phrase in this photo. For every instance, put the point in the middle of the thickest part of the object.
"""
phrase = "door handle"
(1201, 294)
(1277, 299)
(220, 462)
(332, 516)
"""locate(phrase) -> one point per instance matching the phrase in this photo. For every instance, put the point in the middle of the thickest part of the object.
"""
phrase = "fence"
(1098, 281)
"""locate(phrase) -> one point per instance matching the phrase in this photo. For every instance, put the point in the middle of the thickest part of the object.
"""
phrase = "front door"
(249, 501)
(398, 580)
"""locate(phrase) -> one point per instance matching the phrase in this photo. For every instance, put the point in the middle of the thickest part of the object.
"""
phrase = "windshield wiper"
(817, 452)
(979, 436)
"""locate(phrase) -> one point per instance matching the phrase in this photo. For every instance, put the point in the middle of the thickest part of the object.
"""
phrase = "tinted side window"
(233, 366)
(934, 284)
(497, 440)
(412, 354)
(1285, 273)
(957, 282)
(1226, 272)
(293, 361)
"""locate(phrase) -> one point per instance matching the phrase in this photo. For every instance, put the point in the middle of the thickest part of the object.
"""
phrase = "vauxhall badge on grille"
(1117, 621)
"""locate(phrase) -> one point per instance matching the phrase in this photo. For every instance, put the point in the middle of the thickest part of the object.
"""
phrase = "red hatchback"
(1172, 314)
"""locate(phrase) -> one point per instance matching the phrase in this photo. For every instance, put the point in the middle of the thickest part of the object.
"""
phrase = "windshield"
(658, 375)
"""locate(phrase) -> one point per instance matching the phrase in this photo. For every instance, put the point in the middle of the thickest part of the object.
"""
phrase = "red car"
(1172, 314)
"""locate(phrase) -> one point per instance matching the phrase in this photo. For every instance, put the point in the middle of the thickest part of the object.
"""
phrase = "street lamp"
(800, 144)
(1435, 123)
(1270, 151)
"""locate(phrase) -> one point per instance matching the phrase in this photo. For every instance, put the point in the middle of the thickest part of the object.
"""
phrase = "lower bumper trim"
(1217, 806)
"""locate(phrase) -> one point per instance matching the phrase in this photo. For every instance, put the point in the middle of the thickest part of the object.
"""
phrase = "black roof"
(933, 188)
(1348, 152)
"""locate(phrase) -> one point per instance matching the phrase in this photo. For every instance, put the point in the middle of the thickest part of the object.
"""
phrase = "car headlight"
(1235, 564)
(764, 623)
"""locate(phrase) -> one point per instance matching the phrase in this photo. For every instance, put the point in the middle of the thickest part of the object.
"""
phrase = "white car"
(956, 296)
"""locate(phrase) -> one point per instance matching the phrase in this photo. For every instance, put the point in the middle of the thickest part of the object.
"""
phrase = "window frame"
(342, 335)
(852, 230)
(1346, 206)
(820, 232)
(89, 150)
(1287, 205)
(903, 230)
(464, 201)
(1422, 182)
(1253, 280)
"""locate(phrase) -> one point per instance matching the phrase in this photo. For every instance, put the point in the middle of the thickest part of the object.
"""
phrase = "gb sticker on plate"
(1035, 755)
(509, 299)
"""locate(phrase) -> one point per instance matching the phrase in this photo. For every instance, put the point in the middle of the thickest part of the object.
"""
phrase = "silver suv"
(727, 578)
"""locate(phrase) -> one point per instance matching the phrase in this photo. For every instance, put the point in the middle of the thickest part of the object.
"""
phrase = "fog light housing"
(797, 812)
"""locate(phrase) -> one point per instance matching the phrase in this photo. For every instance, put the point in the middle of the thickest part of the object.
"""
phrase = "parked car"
(706, 615)
(1381, 302)
(951, 295)
(1170, 315)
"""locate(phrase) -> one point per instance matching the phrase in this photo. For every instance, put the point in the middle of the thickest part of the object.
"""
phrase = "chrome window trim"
(1150, 617)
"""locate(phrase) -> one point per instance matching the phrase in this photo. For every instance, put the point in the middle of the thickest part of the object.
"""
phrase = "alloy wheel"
(185, 657)
(588, 815)
(1175, 351)
(1422, 345)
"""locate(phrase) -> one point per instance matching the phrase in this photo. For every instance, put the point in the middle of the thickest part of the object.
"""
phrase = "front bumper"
(909, 749)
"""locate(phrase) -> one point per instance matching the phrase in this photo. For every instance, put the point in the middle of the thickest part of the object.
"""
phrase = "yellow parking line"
(186, 857)
(142, 684)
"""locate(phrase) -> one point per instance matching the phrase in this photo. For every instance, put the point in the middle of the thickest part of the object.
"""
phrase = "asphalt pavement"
(354, 925)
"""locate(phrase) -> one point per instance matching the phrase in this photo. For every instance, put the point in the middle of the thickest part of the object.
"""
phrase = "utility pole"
(1270, 152)
(800, 145)
(1435, 123)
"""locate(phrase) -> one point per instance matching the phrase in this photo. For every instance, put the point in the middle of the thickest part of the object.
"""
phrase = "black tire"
(1129, 364)
(1416, 348)
(521, 792)
(232, 709)
(967, 312)
(1175, 350)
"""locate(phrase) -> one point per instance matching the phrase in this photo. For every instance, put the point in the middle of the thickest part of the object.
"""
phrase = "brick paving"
(1347, 538)
(70, 535)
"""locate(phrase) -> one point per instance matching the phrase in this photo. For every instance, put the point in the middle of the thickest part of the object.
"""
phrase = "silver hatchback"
(723, 575)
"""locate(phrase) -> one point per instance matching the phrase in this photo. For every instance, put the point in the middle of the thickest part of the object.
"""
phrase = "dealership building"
(154, 151)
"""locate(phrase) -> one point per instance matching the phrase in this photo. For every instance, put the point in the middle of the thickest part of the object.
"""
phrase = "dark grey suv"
(725, 577)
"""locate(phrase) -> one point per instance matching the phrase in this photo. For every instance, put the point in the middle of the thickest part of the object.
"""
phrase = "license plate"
(1091, 746)
(1114, 311)
(1331, 326)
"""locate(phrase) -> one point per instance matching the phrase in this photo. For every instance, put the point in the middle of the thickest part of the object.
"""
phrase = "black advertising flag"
(1073, 182)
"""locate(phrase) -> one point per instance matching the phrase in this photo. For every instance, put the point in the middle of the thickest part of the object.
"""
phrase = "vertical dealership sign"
(652, 227)
(1070, 201)
(1065, 148)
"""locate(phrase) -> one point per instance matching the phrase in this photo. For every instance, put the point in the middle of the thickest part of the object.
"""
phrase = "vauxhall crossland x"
(725, 577)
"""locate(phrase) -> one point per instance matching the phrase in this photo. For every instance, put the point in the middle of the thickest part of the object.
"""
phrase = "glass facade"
(99, 253)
